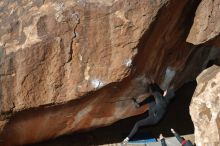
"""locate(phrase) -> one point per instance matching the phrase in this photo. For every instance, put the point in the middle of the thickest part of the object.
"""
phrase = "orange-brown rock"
(206, 26)
(205, 108)
(74, 65)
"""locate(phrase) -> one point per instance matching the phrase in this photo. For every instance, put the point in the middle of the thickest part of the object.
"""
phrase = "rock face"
(206, 24)
(205, 104)
(205, 108)
(71, 65)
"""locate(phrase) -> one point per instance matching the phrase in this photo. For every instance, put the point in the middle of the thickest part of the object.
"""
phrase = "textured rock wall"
(74, 65)
(206, 24)
(205, 108)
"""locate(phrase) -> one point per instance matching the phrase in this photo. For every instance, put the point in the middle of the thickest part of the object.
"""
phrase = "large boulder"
(205, 108)
(73, 65)
(206, 26)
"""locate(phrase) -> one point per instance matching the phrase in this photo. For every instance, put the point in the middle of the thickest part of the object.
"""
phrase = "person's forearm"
(158, 97)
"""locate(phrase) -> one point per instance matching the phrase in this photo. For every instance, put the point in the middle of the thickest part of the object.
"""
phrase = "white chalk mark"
(97, 83)
(86, 73)
(121, 15)
(80, 57)
(82, 113)
(128, 62)
(59, 6)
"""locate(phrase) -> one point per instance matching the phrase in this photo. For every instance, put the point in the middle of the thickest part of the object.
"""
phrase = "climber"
(181, 139)
(156, 111)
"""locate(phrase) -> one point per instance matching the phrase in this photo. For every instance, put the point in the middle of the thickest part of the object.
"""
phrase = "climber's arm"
(158, 97)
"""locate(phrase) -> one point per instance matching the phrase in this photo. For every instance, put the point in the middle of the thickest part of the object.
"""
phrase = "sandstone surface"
(206, 26)
(73, 65)
(205, 108)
